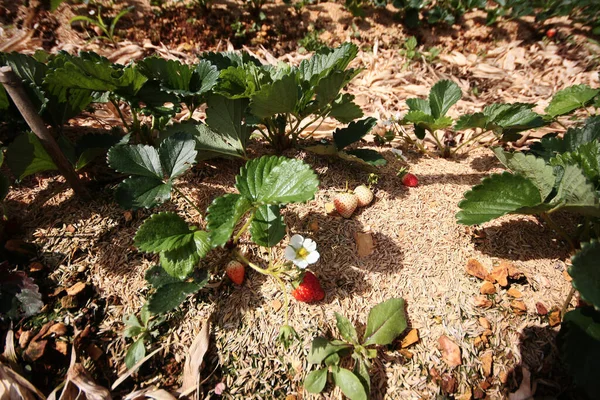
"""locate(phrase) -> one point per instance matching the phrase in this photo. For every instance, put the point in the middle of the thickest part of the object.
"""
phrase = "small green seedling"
(141, 330)
(107, 30)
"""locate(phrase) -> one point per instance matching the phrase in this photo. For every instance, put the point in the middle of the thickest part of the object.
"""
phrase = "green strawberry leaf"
(570, 99)
(237, 82)
(177, 155)
(163, 231)
(26, 156)
(346, 329)
(267, 227)
(385, 323)
(575, 193)
(277, 180)
(350, 384)
(329, 87)
(325, 61)
(586, 274)
(533, 168)
(443, 95)
(498, 195)
(316, 380)
(587, 157)
(138, 159)
(280, 97)
(4, 102)
(142, 192)
(135, 352)
(353, 132)
(417, 104)
(344, 109)
(157, 277)
(551, 145)
(223, 215)
(209, 143)
(321, 348)
(168, 297)
(579, 344)
(181, 261)
(227, 117)
(368, 156)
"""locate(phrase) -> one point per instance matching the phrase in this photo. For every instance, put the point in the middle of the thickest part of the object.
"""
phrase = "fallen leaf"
(525, 391)
(518, 307)
(512, 292)
(567, 276)
(487, 361)
(450, 351)
(61, 347)
(499, 274)
(554, 318)
(68, 302)
(76, 289)
(25, 338)
(411, 338)
(364, 244)
(35, 350)
(80, 385)
(478, 342)
(13, 385)
(487, 288)
(330, 208)
(276, 304)
(485, 385)
(406, 354)
(541, 309)
(58, 329)
(513, 272)
(482, 301)
(150, 393)
(94, 351)
(194, 359)
(476, 269)
(449, 384)
(485, 323)
(503, 377)
(484, 339)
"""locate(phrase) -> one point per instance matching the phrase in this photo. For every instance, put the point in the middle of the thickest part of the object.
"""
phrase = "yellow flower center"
(302, 252)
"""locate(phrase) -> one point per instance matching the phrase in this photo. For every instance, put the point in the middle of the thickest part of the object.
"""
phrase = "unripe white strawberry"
(364, 195)
(345, 204)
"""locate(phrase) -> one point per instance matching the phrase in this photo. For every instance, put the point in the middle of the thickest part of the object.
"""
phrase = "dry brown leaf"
(485, 323)
(525, 391)
(411, 338)
(25, 338)
(406, 354)
(518, 307)
(150, 393)
(512, 292)
(476, 269)
(500, 274)
(487, 288)
(79, 385)
(59, 329)
(541, 309)
(482, 301)
(513, 272)
(567, 276)
(554, 318)
(503, 377)
(449, 384)
(9, 353)
(194, 359)
(94, 351)
(61, 347)
(487, 362)
(364, 244)
(76, 289)
(35, 350)
(450, 351)
(14, 386)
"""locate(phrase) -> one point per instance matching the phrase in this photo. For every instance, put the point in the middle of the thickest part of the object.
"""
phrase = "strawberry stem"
(243, 229)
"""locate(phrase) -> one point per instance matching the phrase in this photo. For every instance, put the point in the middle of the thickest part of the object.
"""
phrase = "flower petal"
(313, 257)
(309, 245)
(290, 253)
(300, 263)
(296, 241)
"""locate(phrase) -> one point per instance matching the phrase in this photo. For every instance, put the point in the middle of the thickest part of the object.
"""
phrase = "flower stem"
(243, 229)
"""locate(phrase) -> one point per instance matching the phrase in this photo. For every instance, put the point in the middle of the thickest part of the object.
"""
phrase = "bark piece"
(411, 338)
(476, 269)
(450, 351)
(487, 288)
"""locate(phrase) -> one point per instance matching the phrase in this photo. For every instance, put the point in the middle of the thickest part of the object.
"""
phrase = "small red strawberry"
(236, 271)
(550, 33)
(345, 204)
(407, 178)
(364, 195)
(309, 290)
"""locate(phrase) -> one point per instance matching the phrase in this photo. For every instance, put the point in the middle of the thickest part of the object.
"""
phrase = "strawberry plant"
(264, 186)
(107, 29)
(19, 295)
(385, 323)
(141, 330)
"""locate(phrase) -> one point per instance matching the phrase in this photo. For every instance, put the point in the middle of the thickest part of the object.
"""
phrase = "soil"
(420, 252)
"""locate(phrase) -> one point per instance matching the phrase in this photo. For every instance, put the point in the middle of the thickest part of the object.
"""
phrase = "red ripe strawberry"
(345, 204)
(550, 33)
(364, 195)
(309, 289)
(236, 271)
(407, 178)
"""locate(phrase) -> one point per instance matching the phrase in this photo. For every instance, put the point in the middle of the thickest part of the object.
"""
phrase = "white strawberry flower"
(398, 153)
(302, 251)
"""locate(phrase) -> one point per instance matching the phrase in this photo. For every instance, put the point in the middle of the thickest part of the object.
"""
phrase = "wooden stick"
(13, 87)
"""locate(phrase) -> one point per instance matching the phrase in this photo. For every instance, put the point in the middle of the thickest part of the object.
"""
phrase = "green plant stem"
(243, 229)
(470, 140)
(565, 305)
(180, 193)
(438, 143)
(114, 103)
(546, 217)
(286, 299)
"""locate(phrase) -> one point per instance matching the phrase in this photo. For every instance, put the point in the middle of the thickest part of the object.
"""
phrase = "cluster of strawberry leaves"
(386, 321)
(557, 174)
